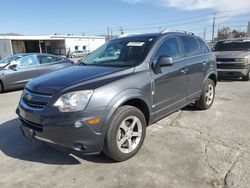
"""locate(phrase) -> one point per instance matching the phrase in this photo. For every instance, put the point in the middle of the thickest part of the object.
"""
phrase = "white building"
(54, 44)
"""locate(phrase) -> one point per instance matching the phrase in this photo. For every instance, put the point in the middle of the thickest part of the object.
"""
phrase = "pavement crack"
(206, 158)
(174, 121)
(230, 170)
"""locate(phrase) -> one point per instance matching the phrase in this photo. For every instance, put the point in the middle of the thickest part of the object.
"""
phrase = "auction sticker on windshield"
(135, 43)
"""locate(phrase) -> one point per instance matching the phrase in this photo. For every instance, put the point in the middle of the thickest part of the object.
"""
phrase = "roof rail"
(128, 34)
(178, 30)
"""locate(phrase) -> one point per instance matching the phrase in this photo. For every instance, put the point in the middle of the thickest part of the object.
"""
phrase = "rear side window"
(190, 45)
(170, 47)
(203, 46)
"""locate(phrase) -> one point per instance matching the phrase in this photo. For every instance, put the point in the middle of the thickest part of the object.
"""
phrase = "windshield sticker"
(135, 43)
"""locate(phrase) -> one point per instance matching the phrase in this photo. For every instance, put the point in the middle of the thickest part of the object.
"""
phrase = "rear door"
(196, 65)
(49, 63)
(170, 86)
(27, 68)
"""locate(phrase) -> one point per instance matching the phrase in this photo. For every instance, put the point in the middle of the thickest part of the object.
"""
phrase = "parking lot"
(190, 148)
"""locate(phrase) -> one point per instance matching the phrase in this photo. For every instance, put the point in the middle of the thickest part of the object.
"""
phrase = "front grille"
(34, 104)
(31, 125)
(225, 59)
(231, 66)
(35, 99)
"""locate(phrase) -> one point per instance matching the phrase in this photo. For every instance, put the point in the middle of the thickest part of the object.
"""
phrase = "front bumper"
(233, 72)
(66, 130)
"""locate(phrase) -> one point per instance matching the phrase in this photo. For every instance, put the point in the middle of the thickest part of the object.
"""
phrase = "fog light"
(78, 124)
(94, 121)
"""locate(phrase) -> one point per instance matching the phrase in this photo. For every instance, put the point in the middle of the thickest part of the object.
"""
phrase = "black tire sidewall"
(247, 77)
(1, 87)
(111, 148)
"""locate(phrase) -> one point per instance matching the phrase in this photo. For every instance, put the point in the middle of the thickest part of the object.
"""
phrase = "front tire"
(207, 97)
(1, 87)
(247, 77)
(125, 134)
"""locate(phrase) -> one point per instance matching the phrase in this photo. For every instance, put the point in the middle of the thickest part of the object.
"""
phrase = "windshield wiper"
(6, 65)
(82, 63)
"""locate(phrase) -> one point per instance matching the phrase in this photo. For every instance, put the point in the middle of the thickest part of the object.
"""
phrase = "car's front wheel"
(1, 87)
(247, 77)
(125, 134)
(207, 96)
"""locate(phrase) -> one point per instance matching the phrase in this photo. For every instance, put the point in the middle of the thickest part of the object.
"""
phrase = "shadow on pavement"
(230, 80)
(11, 91)
(13, 144)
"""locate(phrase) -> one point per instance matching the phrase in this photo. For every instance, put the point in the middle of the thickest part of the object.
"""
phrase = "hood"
(68, 77)
(231, 54)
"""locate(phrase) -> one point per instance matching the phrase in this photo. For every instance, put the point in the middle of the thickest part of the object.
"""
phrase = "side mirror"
(163, 61)
(13, 67)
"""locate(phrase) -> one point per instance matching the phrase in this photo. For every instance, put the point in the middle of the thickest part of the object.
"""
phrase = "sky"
(43, 17)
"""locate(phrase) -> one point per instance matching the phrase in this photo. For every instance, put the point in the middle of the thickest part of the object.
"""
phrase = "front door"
(170, 86)
(26, 69)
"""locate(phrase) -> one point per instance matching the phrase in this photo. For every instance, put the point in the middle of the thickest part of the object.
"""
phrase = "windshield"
(123, 52)
(232, 46)
(9, 60)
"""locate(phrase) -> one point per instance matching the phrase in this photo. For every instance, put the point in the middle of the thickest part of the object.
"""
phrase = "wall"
(90, 44)
(5, 48)
(55, 46)
(18, 47)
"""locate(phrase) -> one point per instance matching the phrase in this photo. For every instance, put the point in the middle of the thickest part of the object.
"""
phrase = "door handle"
(184, 70)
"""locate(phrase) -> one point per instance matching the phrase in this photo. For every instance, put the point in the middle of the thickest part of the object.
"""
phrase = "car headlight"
(74, 101)
(242, 60)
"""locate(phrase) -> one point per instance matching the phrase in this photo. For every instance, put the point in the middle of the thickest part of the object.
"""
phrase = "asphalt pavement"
(190, 148)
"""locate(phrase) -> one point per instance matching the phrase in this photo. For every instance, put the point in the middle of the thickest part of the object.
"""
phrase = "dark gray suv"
(106, 103)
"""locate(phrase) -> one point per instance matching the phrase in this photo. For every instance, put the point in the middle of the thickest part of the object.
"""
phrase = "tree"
(226, 33)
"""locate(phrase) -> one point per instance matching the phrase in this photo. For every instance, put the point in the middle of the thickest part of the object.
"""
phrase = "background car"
(17, 70)
(233, 58)
(78, 53)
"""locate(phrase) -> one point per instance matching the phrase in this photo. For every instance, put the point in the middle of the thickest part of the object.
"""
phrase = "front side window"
(190, 45)
(27, 62)
(122, 52)
(170, 47)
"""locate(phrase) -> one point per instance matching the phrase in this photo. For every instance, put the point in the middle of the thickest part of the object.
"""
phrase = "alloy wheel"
(209, 94)
(129, 134)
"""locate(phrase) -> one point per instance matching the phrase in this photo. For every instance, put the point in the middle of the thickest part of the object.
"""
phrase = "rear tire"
(207, 97)
(126, 133)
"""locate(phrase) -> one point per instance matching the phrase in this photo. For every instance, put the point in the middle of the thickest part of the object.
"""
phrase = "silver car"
(233, 58)
(17, 70)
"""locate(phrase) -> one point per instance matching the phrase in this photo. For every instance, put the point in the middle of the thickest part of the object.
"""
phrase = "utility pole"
(121, 29)
(213, 28)
(204, 34)
(108, 36)
(111, 34)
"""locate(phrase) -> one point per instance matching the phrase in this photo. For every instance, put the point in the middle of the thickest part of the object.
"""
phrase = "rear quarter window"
(190, 46)
(203, 46)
